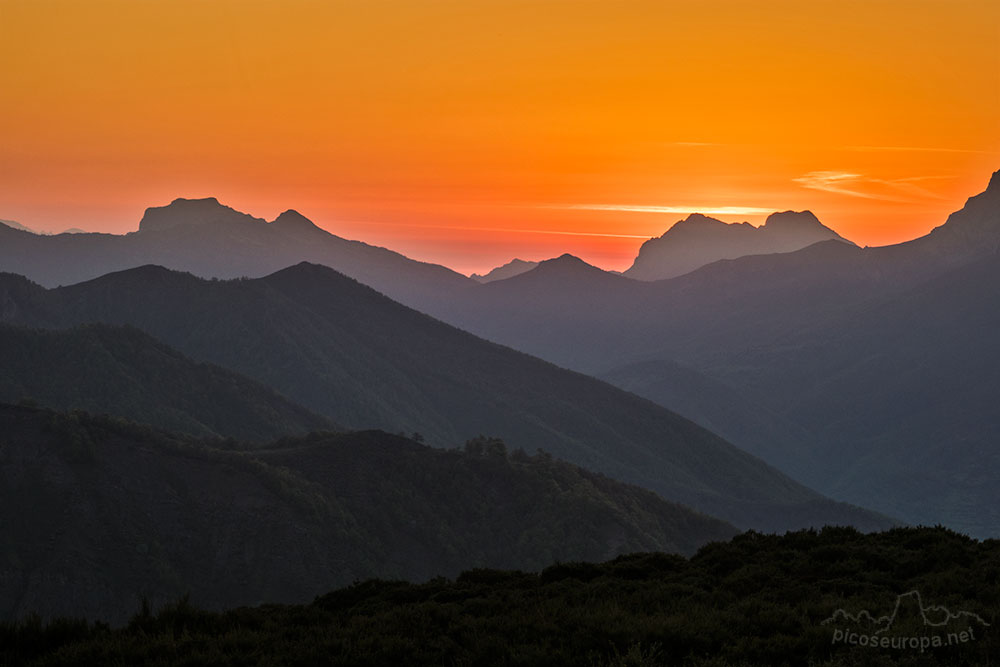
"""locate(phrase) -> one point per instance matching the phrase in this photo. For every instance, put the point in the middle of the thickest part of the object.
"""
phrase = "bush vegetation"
(755, 600)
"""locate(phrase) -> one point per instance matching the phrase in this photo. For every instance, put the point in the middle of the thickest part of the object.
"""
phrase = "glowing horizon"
(467, 134)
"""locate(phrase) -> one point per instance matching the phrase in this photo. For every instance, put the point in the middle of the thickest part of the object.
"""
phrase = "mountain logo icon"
(910, 625)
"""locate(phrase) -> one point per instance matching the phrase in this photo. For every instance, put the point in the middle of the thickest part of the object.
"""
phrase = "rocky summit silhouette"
(193, 213)
(699, 240)
(211, 240)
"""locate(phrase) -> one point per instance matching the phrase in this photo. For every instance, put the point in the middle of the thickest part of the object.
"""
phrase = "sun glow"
(499, 115)
(680, 210)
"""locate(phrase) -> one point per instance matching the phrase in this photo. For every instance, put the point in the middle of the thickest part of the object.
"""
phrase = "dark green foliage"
(483, 446)
(756, 600)
(98, 512)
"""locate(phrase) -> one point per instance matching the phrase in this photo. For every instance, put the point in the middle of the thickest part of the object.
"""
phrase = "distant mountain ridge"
(874, 360)
(208, 239)
(699, 240)
(346, 352)
(123, 371)
(17, 225)
(793, 330)
(24, 228)
(510, 269)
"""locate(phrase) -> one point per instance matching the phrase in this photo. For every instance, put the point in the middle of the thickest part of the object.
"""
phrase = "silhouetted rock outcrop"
(208, 239)
(699, 240)
(191, 212)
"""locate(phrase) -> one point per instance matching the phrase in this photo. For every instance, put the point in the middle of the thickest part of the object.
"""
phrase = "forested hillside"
(98, 512)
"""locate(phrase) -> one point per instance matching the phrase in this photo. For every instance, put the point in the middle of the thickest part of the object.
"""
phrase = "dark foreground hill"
(98, 512)
(343, 350)
(124, 372)
(754, 601)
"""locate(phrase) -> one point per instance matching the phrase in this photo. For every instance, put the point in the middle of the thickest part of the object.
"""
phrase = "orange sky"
(468, 132)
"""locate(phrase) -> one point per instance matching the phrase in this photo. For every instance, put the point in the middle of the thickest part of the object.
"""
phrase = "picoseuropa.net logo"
(910, 626)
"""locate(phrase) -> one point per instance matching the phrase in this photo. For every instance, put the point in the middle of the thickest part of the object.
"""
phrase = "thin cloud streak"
(504, 230)
(561, 233)
(836, 182)
(917, 149)
(716, 210)
(853, 185)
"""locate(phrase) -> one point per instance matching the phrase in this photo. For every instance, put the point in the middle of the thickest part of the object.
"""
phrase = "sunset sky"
(470, 132)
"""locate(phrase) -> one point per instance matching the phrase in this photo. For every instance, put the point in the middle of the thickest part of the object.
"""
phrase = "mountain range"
(208, 239)
(863, 372)
(699, 240)
(871, 366)
(509, 270)
(348, 353)
(24, 228)
(12, 224)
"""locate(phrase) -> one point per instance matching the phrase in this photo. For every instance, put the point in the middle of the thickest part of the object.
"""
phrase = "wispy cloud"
(561, 232)
(865, 187)
(630, 208)
(839, 182)
(911, 179)
(505, 230)
(916, 149)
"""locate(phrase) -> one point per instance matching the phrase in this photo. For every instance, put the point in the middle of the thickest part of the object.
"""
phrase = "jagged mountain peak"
(977, 224)
(794, 219)
(994, 184)
(700, 219)
(696, 222)
(191, 212)
(699, 240)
